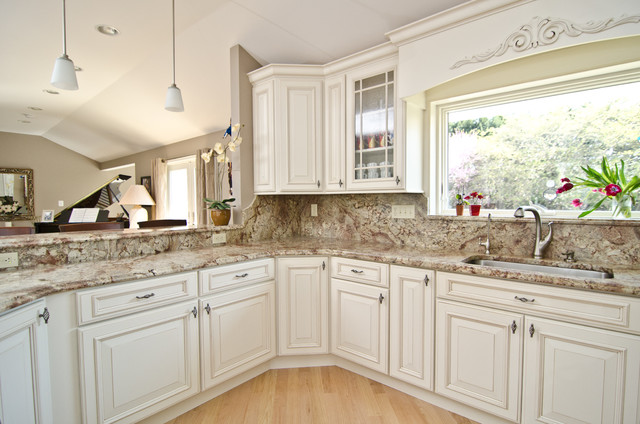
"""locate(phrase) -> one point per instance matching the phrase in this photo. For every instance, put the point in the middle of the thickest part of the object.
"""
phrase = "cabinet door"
(374, 134)
(299, 135)
(237, 331)
(359, 323)
(334, 133)
(264, 147)
(478, 357)
(411, 326)
(24, 367)
(577, 374)
(303, 306)
(134, 366)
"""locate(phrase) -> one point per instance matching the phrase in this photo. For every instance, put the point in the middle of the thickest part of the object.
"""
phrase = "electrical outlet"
(403, 211)
(314, 209)
(61, 203)
(219, 238)
(8, 260)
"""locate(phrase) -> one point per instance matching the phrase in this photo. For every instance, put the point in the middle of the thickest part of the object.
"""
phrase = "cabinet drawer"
(360, 271)
(113, 301)
(599, 309)
(226, 276)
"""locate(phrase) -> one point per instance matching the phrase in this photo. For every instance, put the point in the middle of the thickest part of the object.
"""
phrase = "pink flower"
(598, 190)
(612, 189)
(565, 180)
(565, 187)
(576, 202)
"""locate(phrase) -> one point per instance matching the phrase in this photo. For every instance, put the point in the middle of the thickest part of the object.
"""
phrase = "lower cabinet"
(237, 331)
(136, 365)
(24, 366)
(359, 323)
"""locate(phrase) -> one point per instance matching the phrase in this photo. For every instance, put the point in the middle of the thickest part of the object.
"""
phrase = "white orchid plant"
(221, 153)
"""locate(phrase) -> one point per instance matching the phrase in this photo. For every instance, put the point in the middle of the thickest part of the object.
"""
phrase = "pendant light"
(173, 102)
(64, 72)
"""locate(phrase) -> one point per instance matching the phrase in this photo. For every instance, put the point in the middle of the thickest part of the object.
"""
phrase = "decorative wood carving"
(545, 31)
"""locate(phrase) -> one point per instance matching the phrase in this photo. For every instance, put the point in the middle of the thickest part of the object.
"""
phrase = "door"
(577, 374)
(137, 365)
(334, 134)
(411, 326)
(299, 134)
(478, 357)
(24, 366)
(264, 148)
(303, 306)
(237, 331)
(359, 323)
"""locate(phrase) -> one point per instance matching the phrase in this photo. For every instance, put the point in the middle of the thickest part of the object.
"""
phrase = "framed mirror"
(16, 194)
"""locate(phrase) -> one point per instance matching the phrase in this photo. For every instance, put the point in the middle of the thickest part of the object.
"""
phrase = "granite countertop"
(23, 286)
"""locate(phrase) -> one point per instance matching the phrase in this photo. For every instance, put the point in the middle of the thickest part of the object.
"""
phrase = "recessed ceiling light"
(46, 90)
(27, 115)
(107, 30)
(23, 121)
(34, 108)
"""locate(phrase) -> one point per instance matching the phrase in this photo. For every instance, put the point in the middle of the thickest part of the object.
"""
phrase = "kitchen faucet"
(540, 245)
(487, 243)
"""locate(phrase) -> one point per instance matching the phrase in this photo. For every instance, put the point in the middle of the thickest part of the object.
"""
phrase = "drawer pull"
(146, 296)
(357, 271)
(208, 309)
(246, 274)
(514, 327)
(524, 299)
(531, 330)
(381, 298)
(45, 315)
(194, 311)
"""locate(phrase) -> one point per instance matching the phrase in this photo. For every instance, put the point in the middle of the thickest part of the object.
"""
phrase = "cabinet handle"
(524, 299)
(340, 183)
(195, 312)
(208, 309)
(381, 298)
(357, 271)
(397, 180)
(146, 296)
(531, 330)
(426, 280)
(323, 265)
(318, 183)
(246, 274)
(45, 315)
(514, 327)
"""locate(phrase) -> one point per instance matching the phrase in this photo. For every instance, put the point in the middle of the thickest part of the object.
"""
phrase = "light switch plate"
(8, 260)
(314, 209)
(219, 238)
(403, 211)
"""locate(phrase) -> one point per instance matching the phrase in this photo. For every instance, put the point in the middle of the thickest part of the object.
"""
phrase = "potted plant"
(475, 200)
(219, 207)
(460, 202)
(220, 210)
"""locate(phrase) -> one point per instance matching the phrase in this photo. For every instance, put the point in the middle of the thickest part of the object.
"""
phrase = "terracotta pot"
(475, 209)
(459, 210)
(220, 217)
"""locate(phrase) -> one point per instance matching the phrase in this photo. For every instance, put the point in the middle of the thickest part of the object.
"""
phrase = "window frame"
(438, 173)
(188, 163)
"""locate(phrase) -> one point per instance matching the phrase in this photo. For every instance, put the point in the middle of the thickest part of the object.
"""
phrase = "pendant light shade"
(173, 101)
(64, 72)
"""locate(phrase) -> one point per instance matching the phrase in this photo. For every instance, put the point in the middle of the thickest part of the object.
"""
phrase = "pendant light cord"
(64, 28)
(173, 17)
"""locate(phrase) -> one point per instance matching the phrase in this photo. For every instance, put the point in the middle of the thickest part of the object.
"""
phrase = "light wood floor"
(319, 395)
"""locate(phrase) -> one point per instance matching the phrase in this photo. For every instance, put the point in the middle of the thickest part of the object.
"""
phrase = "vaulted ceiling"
(119, 107)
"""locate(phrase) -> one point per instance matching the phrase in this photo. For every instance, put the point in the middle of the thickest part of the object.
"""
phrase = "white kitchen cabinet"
(411, 325)
(303, 305)
(24, 366)
(264, 141)
(577, 374)
(136, 365)
(237, 331)
(335, 163)
(478, 357)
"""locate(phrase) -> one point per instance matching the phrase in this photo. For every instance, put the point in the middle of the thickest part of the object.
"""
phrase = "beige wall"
(58, 173)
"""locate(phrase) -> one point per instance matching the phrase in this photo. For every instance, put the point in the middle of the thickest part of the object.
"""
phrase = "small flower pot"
(459, 210)
(475, 209)
(220, 217)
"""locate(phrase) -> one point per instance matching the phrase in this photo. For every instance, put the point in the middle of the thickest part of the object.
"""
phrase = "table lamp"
(136, 196)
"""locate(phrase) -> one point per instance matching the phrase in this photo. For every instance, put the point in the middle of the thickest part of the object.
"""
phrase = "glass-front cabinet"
(372, 149)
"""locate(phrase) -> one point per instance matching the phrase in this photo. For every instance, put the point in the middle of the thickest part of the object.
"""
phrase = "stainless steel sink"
(547, 269)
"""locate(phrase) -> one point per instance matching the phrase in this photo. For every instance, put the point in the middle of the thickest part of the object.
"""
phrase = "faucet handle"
(569, 256)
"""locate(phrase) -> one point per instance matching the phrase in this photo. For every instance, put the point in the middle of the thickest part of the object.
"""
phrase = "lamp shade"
(173, 101)
(64, 74)
(137, 195)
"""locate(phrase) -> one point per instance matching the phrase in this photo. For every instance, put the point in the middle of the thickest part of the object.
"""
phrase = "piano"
(102, 197)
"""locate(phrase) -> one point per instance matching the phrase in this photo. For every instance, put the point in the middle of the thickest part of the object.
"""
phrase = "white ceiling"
(119, 108)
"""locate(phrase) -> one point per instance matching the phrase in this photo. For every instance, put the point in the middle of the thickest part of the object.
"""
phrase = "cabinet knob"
(323, 265)
(340, 183)
(531, 330)
(195, 312)
(318, 183)
(397, 180)
(426, 280)
(514, 327)
(208, 309)
(381, 298)
(45, 315)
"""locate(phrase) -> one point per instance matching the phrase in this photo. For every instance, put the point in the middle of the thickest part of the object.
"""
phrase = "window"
(181, 189)
(515, 147)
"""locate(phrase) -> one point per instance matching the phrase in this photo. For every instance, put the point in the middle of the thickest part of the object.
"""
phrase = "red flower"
(480, 196)
(467, 197)
(565, 180)
(576, 202)
(565, 187)
(612, 189)
(474, 194)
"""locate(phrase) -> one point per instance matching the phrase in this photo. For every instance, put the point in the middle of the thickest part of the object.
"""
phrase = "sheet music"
(84, 215)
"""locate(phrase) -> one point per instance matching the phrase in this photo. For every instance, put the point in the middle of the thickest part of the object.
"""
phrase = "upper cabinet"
(332, 128)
